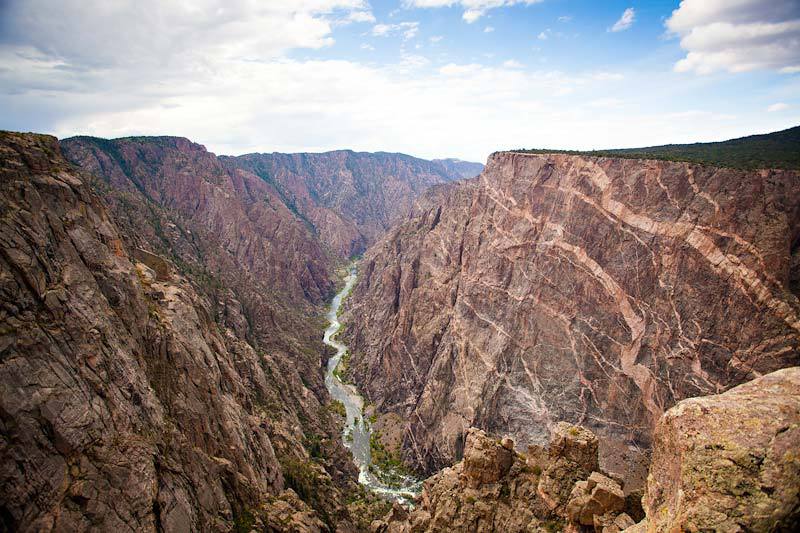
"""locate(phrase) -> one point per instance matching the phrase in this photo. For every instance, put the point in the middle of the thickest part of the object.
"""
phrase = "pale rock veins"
(591, 290)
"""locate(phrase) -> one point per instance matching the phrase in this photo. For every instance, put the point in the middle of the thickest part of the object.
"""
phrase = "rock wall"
(130, 399)
(592, 290)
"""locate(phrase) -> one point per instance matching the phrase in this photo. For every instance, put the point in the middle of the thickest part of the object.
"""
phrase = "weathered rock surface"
(129, 399)
(592, 500)
(572, 457)
(593, 290)
(496, 489)
(485, 460)
(729, 462)
(351, 198)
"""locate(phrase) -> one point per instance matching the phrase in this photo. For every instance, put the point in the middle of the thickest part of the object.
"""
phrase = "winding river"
(357, 431)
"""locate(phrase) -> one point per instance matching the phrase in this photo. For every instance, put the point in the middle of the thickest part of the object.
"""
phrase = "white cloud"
(780, 106)
(223, 76)
(488, 29)
(625, 21)
(152, 34)
(565, 18)
(473, 9)
(408, 30)
(544, 35)
(367, 46)
(512, 63)
(360, 16)
(436, 38)
(738, 35)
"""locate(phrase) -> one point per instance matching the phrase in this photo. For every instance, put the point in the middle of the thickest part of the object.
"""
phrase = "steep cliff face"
(349, 198)
(130, 399)
(592, 290)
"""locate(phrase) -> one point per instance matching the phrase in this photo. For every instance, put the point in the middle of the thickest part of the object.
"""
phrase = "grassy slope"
(773, 150)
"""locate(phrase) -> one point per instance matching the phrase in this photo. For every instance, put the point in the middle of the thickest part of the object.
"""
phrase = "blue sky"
(434, 78)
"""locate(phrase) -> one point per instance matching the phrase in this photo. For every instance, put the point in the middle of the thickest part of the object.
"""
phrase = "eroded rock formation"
(495, 488)
(592, 290)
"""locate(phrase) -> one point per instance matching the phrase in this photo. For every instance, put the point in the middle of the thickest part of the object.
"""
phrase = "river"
(357, 430)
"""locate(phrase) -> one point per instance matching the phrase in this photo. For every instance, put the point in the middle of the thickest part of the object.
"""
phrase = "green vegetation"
(243, 521)
(303, 478)
(336, 407)
(365, 506)
(341, 369)
(387, 464)
(773, 150)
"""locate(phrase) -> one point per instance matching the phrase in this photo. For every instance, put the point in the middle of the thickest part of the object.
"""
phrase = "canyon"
(537, 337)
(161, 342)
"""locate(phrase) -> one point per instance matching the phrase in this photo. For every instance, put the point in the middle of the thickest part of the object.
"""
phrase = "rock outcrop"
(351, 198)
(720, 463)
(729, 462)
(495, 488)
(592, 290)
(572, 457)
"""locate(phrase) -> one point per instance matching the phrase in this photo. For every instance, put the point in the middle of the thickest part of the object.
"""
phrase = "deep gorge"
(514, 333)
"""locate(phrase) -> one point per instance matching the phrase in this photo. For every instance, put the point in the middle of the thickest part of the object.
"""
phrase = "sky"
(431, 78)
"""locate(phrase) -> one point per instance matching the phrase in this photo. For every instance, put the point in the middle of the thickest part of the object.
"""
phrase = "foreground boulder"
(729, 462)
(485, 461)
(573, 456)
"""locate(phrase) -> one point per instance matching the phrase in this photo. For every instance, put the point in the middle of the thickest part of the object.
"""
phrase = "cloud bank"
(737, 35)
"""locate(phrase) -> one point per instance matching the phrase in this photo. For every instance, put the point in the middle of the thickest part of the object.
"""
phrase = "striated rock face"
(134, 395)
(729, 462)
(592, 290)
(350, 198)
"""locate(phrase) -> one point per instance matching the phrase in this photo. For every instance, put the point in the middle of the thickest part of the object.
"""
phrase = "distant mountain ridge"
(780, 149)
(350, 198)
(464, 169)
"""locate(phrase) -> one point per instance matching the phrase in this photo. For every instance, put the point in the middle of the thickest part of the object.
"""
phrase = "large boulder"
(729, 462)
(572, 457)
(599, 495)
(485, 459)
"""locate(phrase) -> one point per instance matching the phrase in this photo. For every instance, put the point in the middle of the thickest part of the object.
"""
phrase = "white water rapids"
(359, 430)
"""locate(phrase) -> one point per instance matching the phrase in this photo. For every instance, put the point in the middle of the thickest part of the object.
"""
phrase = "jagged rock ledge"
(728, 462)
